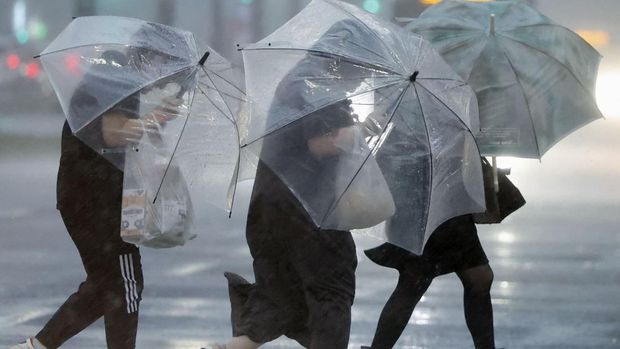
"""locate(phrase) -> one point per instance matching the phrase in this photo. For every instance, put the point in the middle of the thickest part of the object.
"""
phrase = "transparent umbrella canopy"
(534, 79)
(139, 93)
(394, 109)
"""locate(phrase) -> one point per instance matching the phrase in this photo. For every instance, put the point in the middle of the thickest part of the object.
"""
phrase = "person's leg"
(71, 318)
(122, 291)
(85, 306)
(264, 310)
(414, 279)
(326, 262)
(477, 302)
(113, 285)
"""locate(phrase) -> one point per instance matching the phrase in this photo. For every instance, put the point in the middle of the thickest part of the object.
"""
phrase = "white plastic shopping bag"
(158, 223)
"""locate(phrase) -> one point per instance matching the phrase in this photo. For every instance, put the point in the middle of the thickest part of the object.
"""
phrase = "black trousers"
(305, 277)
(113, 285)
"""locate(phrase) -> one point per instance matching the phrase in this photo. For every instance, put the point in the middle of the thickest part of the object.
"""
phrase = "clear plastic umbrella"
(141, 95)
(534, 79)
(336, 76)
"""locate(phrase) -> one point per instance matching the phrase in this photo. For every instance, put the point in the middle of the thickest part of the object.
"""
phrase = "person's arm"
(118, 130)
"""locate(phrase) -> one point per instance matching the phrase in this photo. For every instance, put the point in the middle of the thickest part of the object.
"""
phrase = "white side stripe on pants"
(131, 294)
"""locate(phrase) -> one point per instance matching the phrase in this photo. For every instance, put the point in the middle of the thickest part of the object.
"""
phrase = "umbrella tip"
(413, 77)
(204, 58)
(492, 24)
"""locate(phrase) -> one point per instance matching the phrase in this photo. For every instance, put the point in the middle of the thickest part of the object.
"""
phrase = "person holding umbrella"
(453, 247)
(534, 82)
(305, 276)
(89, 193)
(306, 137)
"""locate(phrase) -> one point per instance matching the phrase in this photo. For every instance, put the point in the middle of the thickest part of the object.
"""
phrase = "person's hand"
(167, 110)
(118, 130)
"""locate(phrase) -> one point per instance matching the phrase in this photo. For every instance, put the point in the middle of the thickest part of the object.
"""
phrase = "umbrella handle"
(492, 24)
(495, 176)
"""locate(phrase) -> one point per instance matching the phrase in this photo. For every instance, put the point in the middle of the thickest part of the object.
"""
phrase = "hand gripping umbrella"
(534, 79)
(343, 103)
(139, 93)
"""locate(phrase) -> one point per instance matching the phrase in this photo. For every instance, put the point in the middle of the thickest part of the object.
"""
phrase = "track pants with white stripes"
(113, 284)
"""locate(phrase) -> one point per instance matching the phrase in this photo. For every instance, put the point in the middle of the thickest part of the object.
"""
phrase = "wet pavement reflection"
(556, 261)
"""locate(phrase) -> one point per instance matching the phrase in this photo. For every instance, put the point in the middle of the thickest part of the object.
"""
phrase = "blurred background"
(556, 261)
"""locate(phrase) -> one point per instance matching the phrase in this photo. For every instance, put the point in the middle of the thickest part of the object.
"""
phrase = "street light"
(32, 70)
(13, 61)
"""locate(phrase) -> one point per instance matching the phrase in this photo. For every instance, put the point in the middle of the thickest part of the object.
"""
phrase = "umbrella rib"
(464, 43)
(430, 151)
(528, 105)
(226, 94)
(328, 54)
(91, 45)
(238, 140)
(347, 79)
(222, 97)
(547, 55)
(238, 153)
(366, 49)
(554, 25)
(455, 114)
(448, 107)
(297, 119)
(370, 153)
(418, 26)
(79, 46)
(527, 102)
(445, 79)
(176, 146)
(214, 105)
(229, 83)
(381, 97)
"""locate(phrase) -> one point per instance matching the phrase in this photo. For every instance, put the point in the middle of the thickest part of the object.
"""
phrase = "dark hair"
(152, 34)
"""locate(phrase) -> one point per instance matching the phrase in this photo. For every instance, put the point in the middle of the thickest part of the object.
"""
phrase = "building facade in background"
(27, 26)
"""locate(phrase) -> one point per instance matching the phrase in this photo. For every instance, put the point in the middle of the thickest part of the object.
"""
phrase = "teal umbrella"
(534, 79)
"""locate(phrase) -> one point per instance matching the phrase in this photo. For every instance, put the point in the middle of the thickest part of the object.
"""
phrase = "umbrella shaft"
(492, 24)
(495, 176)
